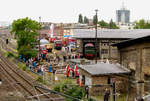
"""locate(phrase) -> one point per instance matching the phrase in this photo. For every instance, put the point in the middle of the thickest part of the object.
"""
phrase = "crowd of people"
(33, 63)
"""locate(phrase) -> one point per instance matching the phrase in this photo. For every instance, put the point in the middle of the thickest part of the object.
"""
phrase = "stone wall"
(102, 80)
(99, 80)
(137, 57)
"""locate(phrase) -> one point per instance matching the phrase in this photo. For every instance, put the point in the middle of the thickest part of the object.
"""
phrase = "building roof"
(146, 98)
(111, 33)
(104, 69)
(132, 41)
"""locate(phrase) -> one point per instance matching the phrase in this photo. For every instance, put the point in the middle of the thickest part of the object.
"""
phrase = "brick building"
(105, 38)
(95, 75)
(134, 54)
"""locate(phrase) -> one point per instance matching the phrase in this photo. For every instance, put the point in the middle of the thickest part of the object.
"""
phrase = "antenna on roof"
(123, 6)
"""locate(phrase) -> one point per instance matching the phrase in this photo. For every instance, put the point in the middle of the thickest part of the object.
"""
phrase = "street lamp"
(96, 36)
(39, 39)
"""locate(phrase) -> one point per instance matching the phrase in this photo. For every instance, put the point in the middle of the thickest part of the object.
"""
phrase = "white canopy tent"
(44, 41)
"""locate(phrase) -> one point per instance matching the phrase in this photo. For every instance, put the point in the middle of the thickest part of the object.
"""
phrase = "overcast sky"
(68, 10)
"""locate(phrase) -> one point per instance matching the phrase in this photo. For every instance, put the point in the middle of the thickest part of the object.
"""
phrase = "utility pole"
(39, 40)
(96, 37)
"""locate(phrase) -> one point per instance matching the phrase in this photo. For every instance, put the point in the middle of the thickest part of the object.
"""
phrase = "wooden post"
(139, 75)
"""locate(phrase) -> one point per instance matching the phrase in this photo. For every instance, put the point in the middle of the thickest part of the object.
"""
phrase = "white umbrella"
(44, 41)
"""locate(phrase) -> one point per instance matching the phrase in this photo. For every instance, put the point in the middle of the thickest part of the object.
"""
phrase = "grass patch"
(12, 55)
(40, 79)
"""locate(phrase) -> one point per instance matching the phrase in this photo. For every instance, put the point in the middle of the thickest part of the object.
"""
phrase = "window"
(114, 51)
(104, 51)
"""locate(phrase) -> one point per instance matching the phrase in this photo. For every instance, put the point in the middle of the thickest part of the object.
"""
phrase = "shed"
(100, 74)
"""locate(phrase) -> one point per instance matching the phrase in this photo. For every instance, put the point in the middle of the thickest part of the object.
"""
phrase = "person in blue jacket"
(50, 68)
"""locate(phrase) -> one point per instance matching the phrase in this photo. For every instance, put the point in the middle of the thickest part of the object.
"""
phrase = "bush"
(68, 88)
(27, 52)
(39, 79)
(24, 68)
(90, 99)
(57, 87)
(9, 54)
(76, 92)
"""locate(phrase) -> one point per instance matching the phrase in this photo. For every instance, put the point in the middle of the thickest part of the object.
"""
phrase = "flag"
(51, 30)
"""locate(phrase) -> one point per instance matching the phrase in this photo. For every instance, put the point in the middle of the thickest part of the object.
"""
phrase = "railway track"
(5, 34)
(8, 47)
(24, 83)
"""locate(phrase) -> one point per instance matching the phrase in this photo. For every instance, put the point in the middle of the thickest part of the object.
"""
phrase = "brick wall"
(103, 80)
(96, 81)
(137, 57)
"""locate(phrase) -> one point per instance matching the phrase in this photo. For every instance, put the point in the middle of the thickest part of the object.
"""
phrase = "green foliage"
(68, 88)
(9, 54)
(90, 99)
(39, 79)
(103, 24)
(75, 91)
(112, 25)
(24, 68)
(57, 87)
(142, 24)
(21, 66)
(80, 19)
(86, 20)
(27, 52)
(25, 31)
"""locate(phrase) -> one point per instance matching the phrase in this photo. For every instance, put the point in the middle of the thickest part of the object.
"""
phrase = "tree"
(86, 20)
(142, 24)
(112, 25)
(103, 24)
(80, 20)
(147, 26)
(94, 19)
(26, 31)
